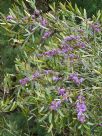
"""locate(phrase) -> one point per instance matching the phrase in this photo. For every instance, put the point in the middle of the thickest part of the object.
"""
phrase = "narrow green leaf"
(50, 128)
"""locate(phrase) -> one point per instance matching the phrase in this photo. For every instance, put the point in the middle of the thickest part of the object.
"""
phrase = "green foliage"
(26, 104)
(92, 6)
(7, 53)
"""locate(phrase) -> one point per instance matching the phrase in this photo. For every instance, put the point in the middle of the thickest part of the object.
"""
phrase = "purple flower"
(46, 35)
(36, 12)
(81, 117)
(70, 38)
(33, 16)
(55, 104)
(51, 53)
(9, 18)
(99, 125)
(65, 97)
(66, 48)
(61, 91)
(55, 78)
(24, 81)
(58, 51)
(72, 56)
(43, 21)
(96, 27)
(48, 72)
(81, 98)
(81, 80)
(74, 77)
(35, 75)
(81, 108)
(80, 45)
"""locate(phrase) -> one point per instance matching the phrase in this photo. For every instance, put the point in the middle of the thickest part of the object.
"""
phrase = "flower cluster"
(54, 52)
(48, 72)
(46, 35)
(96, 27)
(80, 45)
(72, 57)
(62, 92)
(64, 98)
(74, 77)
(43, 21)
(81, 108)
(36, 75)
(50, 53)
(33, 16)
(36, 12)
(70, 38)
(24, 81)
(9, 18)
(55, 104)
(56, 78)
(65, 48)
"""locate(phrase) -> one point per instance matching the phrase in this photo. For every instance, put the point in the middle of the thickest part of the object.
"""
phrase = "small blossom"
(57, 51)
(81, 80)
(35, 75)
(80, 45)
(43, 21)
(55, 104)
(96, 27)
(81, 108)
(81, 117)
(72, 56)
(55, 78)
(61, 91)
(50, 53)
(9, 18)
(46, 35)
(66, 48)
(100, 125)
(48, 72)
(74, 77)
(36, 12)
(24, 81)
(81, 98)
(71, 38)
(65, 97)
(33, 16)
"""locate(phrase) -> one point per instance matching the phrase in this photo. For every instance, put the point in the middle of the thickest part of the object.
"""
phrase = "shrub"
(58, 74)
